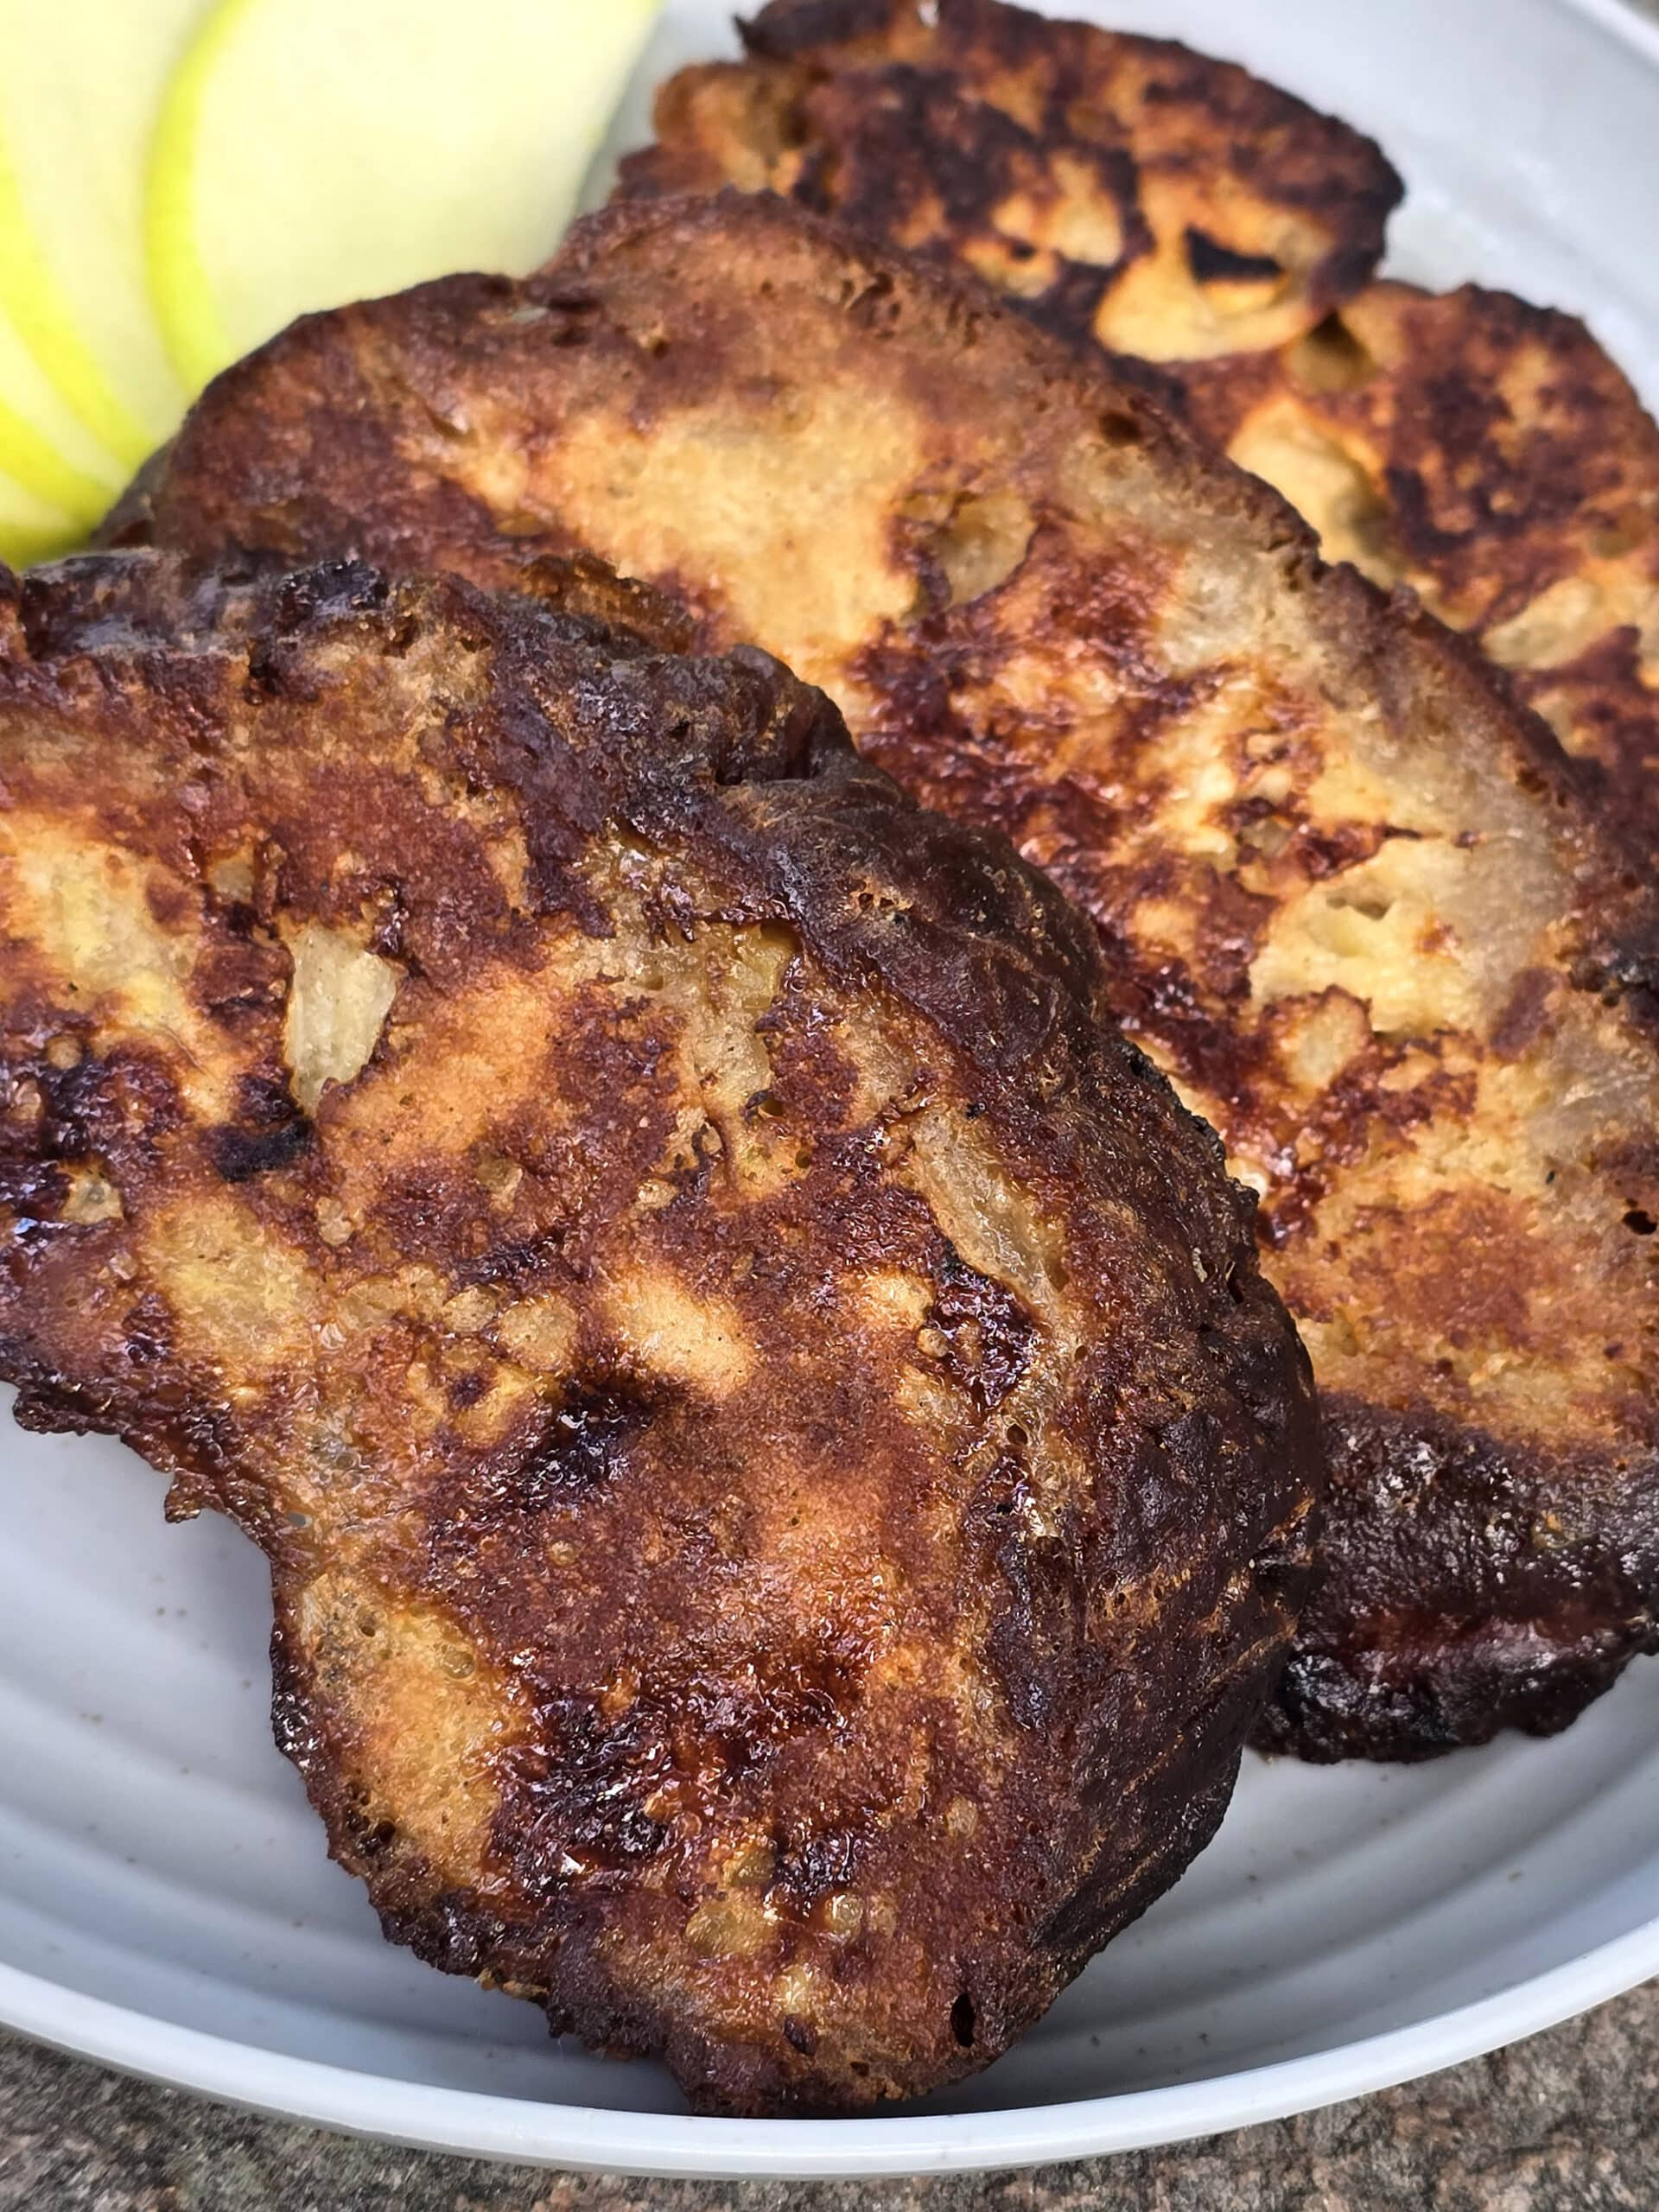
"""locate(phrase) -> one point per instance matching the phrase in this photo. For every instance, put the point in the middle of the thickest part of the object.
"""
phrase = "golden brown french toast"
(1490, 455)
(783, 1484)
(1172, 208)
(1121, 188)
(1351, 896)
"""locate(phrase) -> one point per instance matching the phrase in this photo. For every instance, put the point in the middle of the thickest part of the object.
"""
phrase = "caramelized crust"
(1483, 451)
(1353, 900)
(1120, 188)
(783, 1484)
(1488, 454)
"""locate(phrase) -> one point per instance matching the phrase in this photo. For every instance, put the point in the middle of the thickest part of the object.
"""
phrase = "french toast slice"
(783, 1484)
(1352, 897)
(1488, 454)
(1483, 451)
(1121, 188)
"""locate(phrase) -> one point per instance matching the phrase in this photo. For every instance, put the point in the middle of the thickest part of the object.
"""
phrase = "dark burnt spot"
(33, 1191)
(799, 2035)
(878, 147)
(1331, 357)
(1042, 1605)
(147, 1333)
(1038, 1586)
(990, 1338)
(815, 1081)
(1235, 1349)
(327, 591)
(292, 1722)
(1640, 1223)
(1346, 1118)
(814, 1866)
(1212, 263)
(583, 1446)
(109, 1114)
(1375, 1673)
(391, 922)
(575, 1799)
(1284, 1568)
(454, 1932)
(279, 666)
(270, 1133)
(614, 1062)
(82, 1106)
(1323, 853)
(1609, 719)
(1068, 306)
(239, 980)
(564, 298)
(51, 1405)
(519, 1263)
(1229, 924)
(873, 304)
(172, 905)
(782, 1697)
(368, 1840)
(962, 2021)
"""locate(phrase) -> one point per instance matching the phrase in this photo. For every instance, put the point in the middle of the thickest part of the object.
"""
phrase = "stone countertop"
(1563, 2123)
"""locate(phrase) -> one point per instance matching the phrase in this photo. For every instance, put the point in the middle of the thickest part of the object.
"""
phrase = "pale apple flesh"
(80, 95)
(181, 178)
(308, 155)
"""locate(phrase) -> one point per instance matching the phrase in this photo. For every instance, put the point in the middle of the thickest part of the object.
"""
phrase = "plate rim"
(591, 2138)
(588, 2139)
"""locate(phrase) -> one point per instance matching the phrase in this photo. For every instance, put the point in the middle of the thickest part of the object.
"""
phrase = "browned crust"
(1388, 1663)
(1489, 454)
(1525, 1313)
(801, 1695)
(1118, 187)
(1483, 450)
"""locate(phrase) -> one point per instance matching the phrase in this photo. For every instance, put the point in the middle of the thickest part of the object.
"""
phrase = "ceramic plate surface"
(165, 1902)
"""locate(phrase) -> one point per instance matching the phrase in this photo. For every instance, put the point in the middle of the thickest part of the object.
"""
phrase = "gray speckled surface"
(1566, 2122)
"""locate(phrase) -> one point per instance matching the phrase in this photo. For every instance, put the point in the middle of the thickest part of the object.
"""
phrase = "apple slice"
(44, 438)
(80, 94)
(45, 443)
(35, 464)
(311, 153)
(33, 529)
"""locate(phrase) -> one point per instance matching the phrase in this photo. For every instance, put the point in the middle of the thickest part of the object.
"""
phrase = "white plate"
(165, 1903)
